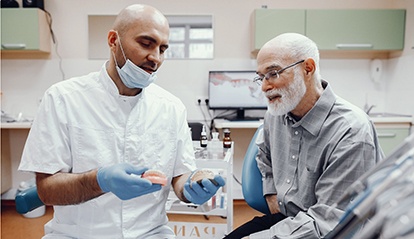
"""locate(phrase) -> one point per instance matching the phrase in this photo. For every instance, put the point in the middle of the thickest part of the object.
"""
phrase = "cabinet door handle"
(387, 135)
(354, 46)
(13, 46)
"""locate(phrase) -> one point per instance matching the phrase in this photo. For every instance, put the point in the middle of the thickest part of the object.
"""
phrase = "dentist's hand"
(118, 180)
(201, 192)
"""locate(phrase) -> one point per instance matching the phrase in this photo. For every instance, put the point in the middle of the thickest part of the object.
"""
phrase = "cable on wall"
(55, 42)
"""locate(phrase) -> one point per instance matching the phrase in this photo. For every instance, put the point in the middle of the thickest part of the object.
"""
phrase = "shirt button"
(296, 132)
(280, 203)
(293, 157)
(288, 181)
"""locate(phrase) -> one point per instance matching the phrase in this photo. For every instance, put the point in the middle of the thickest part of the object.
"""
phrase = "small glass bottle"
(203, 138)
(226, 139)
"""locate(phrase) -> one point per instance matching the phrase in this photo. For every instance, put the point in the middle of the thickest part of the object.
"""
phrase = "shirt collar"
(314, 119)
(288, 118)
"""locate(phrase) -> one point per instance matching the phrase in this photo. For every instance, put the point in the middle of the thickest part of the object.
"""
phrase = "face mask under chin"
(132, 75)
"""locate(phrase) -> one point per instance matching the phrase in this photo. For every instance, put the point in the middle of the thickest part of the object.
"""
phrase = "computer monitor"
(235, 90)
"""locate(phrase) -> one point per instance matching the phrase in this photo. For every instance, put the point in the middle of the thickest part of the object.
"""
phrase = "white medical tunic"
(82, 124)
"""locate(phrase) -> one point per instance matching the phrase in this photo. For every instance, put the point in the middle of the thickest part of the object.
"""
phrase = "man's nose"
(266, 85)
(155, 57)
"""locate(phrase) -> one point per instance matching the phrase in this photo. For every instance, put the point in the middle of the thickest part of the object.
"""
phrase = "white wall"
(24, 81)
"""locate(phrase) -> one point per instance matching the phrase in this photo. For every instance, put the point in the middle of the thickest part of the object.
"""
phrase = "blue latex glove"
(118, 180)
(199, 194)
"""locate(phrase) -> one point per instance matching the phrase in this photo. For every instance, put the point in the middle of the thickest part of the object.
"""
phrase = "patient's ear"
(310, 66)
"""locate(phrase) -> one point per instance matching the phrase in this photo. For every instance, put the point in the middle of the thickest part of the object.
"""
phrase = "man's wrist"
(100, 180)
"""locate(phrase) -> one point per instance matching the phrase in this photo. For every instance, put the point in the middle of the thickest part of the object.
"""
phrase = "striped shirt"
(309, 163)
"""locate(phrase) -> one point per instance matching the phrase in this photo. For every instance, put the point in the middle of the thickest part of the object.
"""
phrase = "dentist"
(95, 135)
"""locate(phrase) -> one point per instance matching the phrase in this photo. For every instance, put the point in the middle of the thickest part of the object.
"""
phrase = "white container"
(216, 146)
(38, 212)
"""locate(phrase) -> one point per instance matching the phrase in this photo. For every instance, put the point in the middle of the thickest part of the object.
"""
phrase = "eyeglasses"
(273, 74)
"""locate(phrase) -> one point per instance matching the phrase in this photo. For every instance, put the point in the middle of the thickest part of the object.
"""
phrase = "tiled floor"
(15, 226)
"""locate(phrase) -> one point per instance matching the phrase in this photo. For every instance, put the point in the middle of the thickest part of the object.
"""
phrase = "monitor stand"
(240, 117)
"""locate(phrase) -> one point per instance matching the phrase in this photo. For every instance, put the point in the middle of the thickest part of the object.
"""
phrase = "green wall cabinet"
(390, 138)
(269, 23)
(334, 30)
(356, 29)
(24, 30)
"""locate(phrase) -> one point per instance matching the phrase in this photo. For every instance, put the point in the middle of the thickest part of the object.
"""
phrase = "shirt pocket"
(308, 177)
(92, 148)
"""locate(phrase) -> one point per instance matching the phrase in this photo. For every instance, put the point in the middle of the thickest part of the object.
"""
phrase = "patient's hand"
(272, 203)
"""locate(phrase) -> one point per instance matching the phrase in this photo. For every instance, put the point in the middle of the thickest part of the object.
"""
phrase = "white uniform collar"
(110, 86)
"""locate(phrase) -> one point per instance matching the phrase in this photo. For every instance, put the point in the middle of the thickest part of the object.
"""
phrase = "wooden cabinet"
(268, 23)
(356, 29)
(332, 30)
(13, 138)
(6, 174)
(24, 31)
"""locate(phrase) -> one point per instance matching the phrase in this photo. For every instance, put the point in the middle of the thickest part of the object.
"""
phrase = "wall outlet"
(201, 100)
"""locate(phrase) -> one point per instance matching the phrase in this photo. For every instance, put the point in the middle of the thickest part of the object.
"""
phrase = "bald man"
(313, 146)
(95, 135)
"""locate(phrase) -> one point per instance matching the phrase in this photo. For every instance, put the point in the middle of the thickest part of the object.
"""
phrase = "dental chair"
(252, 185)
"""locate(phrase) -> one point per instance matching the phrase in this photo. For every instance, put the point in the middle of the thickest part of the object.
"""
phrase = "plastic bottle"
(203, 139)
(216, 146)
(227, 139)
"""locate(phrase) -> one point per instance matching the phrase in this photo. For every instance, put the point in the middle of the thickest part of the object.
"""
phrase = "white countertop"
(16, 125)
(222, 123)
(409, 120)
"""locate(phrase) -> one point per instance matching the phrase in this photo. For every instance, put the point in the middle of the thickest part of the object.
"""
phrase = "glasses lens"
(272, 75)
(258, 80)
